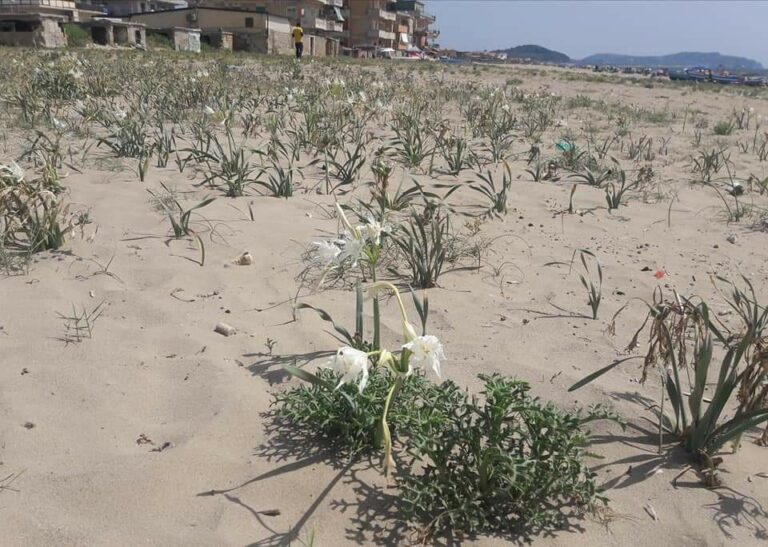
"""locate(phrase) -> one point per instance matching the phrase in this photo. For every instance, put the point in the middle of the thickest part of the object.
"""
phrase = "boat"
(727, 79)
(702, 74)
(753, 81)
(696, 74)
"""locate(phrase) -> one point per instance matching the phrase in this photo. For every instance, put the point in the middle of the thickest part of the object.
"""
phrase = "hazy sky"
(581, 27)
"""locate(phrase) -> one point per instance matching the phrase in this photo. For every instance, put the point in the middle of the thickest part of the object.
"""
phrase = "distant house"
(38, 23)
(252, 29)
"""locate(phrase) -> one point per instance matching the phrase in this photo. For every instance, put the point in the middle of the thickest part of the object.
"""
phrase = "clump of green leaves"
(682, 338)
(503, 462)
(423, 243)
(724, 128)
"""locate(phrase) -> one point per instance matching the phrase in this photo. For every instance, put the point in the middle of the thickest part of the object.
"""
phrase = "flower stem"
(389, 461)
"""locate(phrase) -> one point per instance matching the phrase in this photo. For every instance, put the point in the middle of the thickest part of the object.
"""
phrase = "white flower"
(352, 249)
(12, 171)
(351, 364)
(326, 252)
(372, 229)
(426, 351)
(208, 111)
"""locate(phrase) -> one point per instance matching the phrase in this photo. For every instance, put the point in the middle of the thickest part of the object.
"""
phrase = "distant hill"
(536, 53)
(684, 59)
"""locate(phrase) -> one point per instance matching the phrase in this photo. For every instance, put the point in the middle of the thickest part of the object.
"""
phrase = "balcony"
(18, 5)
(426, 18)
(402, 29)
(381, 34)
(325, 24)
(382, 14)
(334, 3)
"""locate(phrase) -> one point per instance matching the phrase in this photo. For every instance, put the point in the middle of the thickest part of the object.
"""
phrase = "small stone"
(245, 259)
(731, 239)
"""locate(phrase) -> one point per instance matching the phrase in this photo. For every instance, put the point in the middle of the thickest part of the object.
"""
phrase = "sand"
(152, 432)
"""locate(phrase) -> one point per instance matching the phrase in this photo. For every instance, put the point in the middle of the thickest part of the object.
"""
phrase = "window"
(249, 22)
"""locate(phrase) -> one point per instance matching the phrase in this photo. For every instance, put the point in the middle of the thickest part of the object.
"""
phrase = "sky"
(582, 27)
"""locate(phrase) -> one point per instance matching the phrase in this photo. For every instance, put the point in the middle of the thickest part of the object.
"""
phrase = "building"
(370, 23)
(119, 8)
(252, 29)
(317, 17)
(423, 33)
(60, 8)
(404, 31)
(38, 23)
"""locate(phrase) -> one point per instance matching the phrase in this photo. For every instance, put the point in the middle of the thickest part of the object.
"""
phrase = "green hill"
(676, 60)
(537, 53)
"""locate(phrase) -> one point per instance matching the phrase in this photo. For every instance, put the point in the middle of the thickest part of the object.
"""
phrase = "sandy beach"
(154, 430)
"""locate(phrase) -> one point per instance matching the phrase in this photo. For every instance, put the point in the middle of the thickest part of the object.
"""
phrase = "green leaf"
(590, 377)
(326, 317)
(307, 377)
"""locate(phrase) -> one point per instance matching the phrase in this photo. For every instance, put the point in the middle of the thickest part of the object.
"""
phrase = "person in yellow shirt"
(298, 40)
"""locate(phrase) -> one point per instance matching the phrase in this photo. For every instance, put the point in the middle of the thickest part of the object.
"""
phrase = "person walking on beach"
(298, 40)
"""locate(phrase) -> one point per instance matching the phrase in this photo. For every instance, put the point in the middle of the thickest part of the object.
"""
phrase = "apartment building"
(423, 34)
(318, 17)
(370, 23)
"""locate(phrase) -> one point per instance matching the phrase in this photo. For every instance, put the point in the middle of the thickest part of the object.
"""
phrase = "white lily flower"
(372, 229)
(352, 249)
(426, 351)
(326, 252)
(12, 171)
(352, 364)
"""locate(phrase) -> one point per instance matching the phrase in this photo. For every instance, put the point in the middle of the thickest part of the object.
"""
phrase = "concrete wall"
(185, 40)
(206, 19)
(47, 34)
(218, 40)
(269, 33)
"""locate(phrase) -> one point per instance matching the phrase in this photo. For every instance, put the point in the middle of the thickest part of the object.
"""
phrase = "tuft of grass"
(723, 128)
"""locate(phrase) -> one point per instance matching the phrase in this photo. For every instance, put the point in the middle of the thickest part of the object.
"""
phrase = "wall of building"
(206, 19)
(186, 40)
(47, 33)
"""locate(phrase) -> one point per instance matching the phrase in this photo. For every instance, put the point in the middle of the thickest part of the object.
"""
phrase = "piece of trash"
(224, 329)
(245, 259)
(651, 511)
(563, 146)
(162, 447)
(91, 294)
(659, 274)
